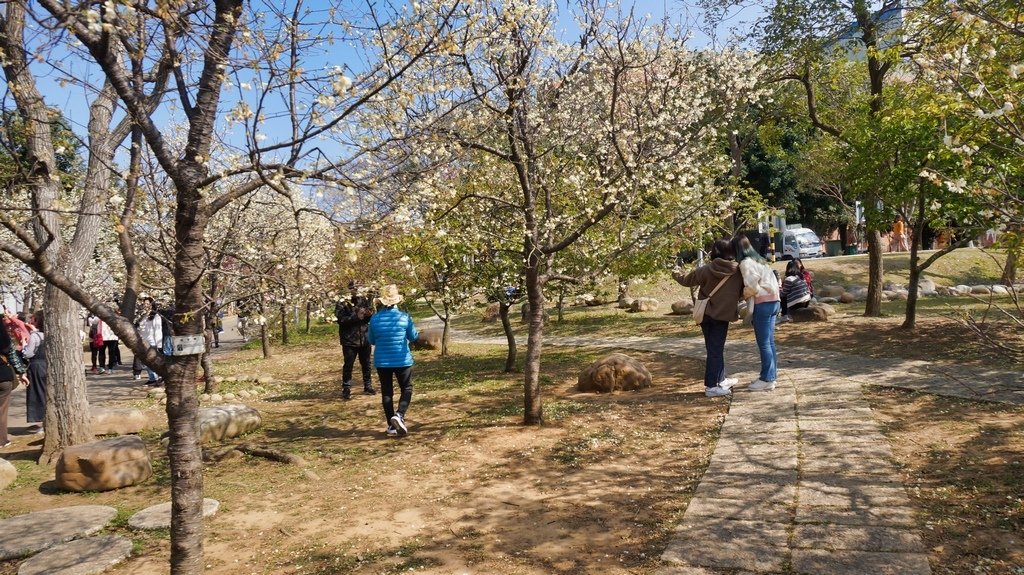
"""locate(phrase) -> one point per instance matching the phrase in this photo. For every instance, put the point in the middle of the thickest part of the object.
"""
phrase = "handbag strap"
(720, 284)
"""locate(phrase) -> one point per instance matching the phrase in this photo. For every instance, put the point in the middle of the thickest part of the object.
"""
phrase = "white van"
(799, 243)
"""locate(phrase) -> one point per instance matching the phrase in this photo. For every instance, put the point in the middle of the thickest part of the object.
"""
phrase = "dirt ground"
(597, 489)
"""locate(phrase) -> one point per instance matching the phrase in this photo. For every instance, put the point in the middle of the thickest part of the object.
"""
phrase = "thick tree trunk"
(561, 305)
(506, 325)
(67, 407)
(532, 411)
(1009, 276)
(184, 451)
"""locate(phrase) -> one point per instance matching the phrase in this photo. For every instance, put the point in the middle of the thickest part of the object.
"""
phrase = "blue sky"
(72, 99)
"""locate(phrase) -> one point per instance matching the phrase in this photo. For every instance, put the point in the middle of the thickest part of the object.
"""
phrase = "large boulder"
(644, 304)
(625, 303)
(829, 310)
(1000, 290)
(846, 297)
(226, 421)
(612, 373)
(104, 465)
(962, 289)
(981, 290)
(831, 290)
(682, 307)
(117, 420)
(810, 313)
(927, 287)
(429, 338)
(8, 473)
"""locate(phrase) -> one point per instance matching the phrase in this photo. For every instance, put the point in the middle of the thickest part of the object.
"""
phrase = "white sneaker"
(717, 391)
(398, 422)
(391, 431)
(760, 385)
(728, 382)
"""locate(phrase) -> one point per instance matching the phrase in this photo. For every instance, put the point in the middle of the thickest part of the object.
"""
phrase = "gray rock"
(204, 397)
(828, 300)
(8, 473)
(926, 286)
(682, 307)
(264, 380)
(226, 421)
(32, 532)
(245, 394)
(117, 420)
(81, 557)
(1000, 290)
(625, 303)
(217, 379)
(159, 516)
(216, 398)
(981, 290)
(829, 310)
(229, 397)
(847, 297)
(962, 289)
(644, 304)
(612, 373)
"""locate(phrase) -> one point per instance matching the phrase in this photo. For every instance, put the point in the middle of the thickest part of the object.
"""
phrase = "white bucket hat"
(389, 295)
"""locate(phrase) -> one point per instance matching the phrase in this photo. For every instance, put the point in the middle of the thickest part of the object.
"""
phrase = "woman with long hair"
(721, 283)
(761, 286)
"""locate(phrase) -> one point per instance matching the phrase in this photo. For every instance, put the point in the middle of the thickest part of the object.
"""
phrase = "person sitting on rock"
(794, 293)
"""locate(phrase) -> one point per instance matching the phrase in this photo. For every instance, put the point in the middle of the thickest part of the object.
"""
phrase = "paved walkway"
(802, 479)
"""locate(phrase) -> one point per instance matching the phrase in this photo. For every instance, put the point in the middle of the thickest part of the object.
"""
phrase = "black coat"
(352, 329)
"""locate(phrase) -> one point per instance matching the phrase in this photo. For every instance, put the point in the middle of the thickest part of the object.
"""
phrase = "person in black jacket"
(353, 315)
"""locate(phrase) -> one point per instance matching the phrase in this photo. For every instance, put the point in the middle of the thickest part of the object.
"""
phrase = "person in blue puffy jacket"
(390, 332)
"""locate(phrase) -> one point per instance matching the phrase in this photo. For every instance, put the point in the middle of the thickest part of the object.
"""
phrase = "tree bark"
(506, 325)
(532, 411)
(184, 451)
(873, 306)
(67, 406)
(309, 305)
(284, 324)
(446, 322)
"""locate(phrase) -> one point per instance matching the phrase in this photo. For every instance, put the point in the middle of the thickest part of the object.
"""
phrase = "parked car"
(800, 243)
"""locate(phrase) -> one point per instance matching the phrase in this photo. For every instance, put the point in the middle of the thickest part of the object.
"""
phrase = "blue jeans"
(715, 332)
(764, 332)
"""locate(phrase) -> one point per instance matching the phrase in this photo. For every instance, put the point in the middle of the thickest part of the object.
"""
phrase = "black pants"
(786, 307)
(715, 332)
(350, 353)
(113, 353)
(387, 375)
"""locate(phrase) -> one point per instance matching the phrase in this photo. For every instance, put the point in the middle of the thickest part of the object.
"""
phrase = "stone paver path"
(80, 557)
(36, 531)
(159, 516)
(802, 479)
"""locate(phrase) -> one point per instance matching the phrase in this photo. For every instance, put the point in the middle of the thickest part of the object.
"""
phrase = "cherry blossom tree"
(575, 135)
(188, 58)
